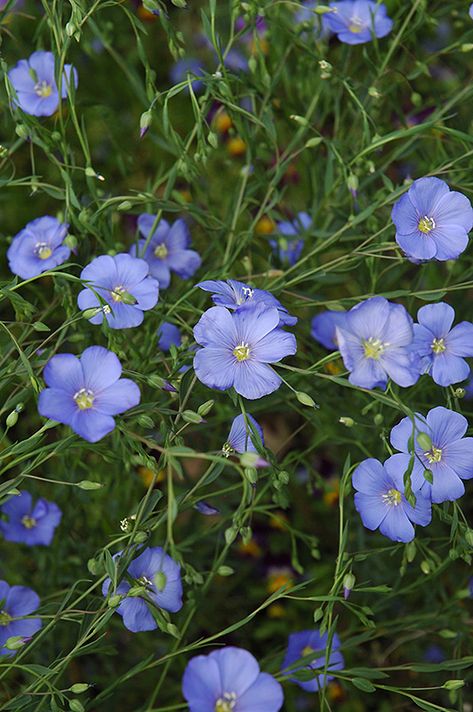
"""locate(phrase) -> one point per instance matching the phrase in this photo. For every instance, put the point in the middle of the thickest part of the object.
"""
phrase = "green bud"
(172, 630)
(349, 581)
(284, 477)
(425, 567)
(141, 537)
(145, 122)
(251, 475)
(205, 408)
(89, 172)
(467, 47)
(11, 419)
(95, 567)
(424, 441)
(428, 475)
(249, 459)
(322, 9)
(125, 206)
(454, 684)
(160, 580)
(15, 642)
(71, 241)
(144, 421)
(459, 393)
(225, 571)
(352, 182)
(246, 534)
(347, 421)
(189, 416)
(79, 687)
(305, 399)
(114, 601)
(378, 419)
(39, 326)
(76, 706)
(70, 29)
(89, 485)
(156, 381)
(447, 634)
(212, 139)
(469, 537)
(318, 614)
(22, 131)
(230, 535)
(136, 591)
(372, 91)
(179, 3)
(128, 298)
(411, 551)
(313, 142)
(301, 120)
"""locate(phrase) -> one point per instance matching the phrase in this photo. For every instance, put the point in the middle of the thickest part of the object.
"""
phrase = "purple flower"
(16, 602)
(85, 393)
(205, 508)
(308, 642)
(440, 348)
(381, 503)
(29, 524)
(230, 680)
(233, 295)
(289, 250)
(124, 284)
(237, 348)
(434, 654)
(442, 449)
(38, 247)
(324, 328)
(159, 578)
(240, 438)
(168, 335)
(432, 222)
(374, 343)
(167, 250)
(358, 21)
(184, 68)
(35, 84)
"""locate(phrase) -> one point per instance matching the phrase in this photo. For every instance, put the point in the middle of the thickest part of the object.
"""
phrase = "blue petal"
(437, 318)
(136, 615)
(459, 341)
(117, 398)
(201, 685)
(426, 193)
(91, 425)
(58, 405)
(238, 669)
(448, 369)
(264, 695)
(64, 371)
(446, 426)
(101, 368)
(215, 367)
(254, 380)
(396, 525)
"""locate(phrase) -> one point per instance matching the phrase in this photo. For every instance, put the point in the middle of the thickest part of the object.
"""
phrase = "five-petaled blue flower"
(240, 438)
(313, 643)
(157, 578)
(374, 343)
(442, 449)
(324, 327)
(85, 393)
(165, 249)
(381, 503)
(233, 295)
(432, 222)
(229, 680)
(16, 602)
(35, 86)
(237, 348)
(358, 21)
(288, 248)
(28, 523)
(168, 335)
(124, 284)
(440, 348)
(38, 247)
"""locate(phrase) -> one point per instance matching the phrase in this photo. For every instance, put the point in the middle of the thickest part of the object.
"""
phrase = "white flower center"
(5, 618)
(392, 497)
(438, 346)
(356, 25)
(43, 89)
(241, 352)
(226, 703)
(84, 398)
(426, 224)
(161, 251)
(374, 348)
(117, 293)
(42, 250)
(28, 522)
(433, 455)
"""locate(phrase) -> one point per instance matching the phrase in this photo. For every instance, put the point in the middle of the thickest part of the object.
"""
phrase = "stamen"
(43, 250)
(28, 522)
(433, 455)
(426, 224)
(84, 398)
(438, 346)
(161, 251)
(43, 89)
(392, 497)
(117, 293)
(356, 25)
(373, 348)
(241, 352)
(5, 618)
(226, 703)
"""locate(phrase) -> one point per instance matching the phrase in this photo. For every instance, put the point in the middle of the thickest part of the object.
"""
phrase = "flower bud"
(14, 642)
(424, 441)
(189, 416)
(225, 571)
(79, 687)
(348, 583)
(11, 419)
(205, 408)
(347, 421)
(305, 399)
(89, 485)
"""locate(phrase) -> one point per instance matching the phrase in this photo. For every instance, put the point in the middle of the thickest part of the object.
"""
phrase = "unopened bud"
(424, 441)
(348, 584)
(305, 399)
(347, 422)
(79, 687)
(205, 408)
(11, 419)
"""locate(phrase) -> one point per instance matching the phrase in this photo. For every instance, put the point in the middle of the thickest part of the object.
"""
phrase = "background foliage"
(336, 140)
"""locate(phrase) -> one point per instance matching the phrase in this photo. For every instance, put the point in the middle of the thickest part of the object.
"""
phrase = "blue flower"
(324, 328)
(16, 602)
(442, 449)
(158, 579)
(289, 250)
(440, 348)
(470, 11)
(187, 67)
(237, 348)
(168, 335)
(381, 503)
(85, 393)
(29, 524)
(308, 642)
(38, 247)
(432, 222)
(167, 250)
(233, 295)
(235, 61)
(206, 509)
(358, 21)
(240, 438)
(124, 284)
(374, 343)
(35, 84)
(229, 680)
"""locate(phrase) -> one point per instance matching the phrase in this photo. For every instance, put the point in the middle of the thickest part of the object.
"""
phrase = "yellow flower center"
(84, 398)
(5, 618)
(356, 25)
(43, 251)
(307, 651)
(426, 224)
(43, 89)
(226, 703)
(241, 352)
(161, 251)
(373, 348)
(392, 497)
(438, 346)
(28, 522)
(117, 294)
(433, 455)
